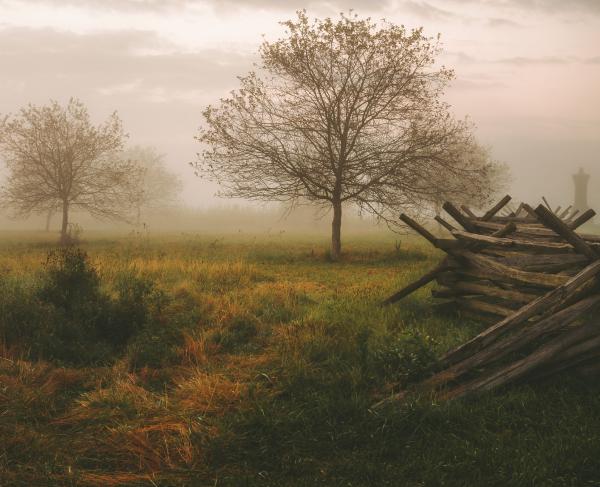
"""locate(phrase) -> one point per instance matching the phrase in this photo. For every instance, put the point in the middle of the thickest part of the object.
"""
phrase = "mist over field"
(526, 73)
(299, 243)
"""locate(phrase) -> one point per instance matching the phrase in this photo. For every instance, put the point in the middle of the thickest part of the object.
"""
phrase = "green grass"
(259, 368)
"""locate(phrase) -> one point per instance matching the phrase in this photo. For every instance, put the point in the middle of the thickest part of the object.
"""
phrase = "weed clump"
(408, 358)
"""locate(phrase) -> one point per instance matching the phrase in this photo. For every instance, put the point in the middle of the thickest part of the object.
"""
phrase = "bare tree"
(56, 157)
(345, 112)
(156, 187)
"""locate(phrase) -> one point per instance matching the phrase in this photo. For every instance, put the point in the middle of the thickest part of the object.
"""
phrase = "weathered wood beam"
(552, 263)
(518, 220)
(448, 244)
(480, 306)
(544, 355)
(468, 211)
(581, 219)
(530, 211)
(536, 231)
(519, 209)
(580, 351)
(522, 336)
(565, 212)
(490, 241)
(546, 203)
(534, 280)
(572, 215)
(511, 208)
(497, 271)
(555, 223)
(507, 229)
(462, 288)
(524, 230)
(419, 283)
(561, 293)
(496, 208)
(520, 368)
(444, 223)
(419, 229)
(455, 213)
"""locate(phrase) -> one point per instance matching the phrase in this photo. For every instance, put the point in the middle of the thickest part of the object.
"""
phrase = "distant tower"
(581, 180)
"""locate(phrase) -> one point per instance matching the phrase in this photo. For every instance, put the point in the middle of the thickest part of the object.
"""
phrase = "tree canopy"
(56, 157)
(344, 112)
(156, 187)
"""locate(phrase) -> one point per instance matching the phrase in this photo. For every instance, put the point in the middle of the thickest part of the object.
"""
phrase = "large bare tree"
(157, 187)
(344, 112)
(56, 157)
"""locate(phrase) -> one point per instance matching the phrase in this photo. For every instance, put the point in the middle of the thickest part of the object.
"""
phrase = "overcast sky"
(528, 71)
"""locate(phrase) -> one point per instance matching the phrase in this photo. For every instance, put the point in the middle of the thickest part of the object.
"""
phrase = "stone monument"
(581, 180)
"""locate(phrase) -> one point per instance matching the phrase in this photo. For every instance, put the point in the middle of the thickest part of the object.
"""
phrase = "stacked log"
(528, 273)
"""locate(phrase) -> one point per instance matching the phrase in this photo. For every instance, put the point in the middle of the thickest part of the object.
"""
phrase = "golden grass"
(205, 393)
(112, 426)
(156, 446)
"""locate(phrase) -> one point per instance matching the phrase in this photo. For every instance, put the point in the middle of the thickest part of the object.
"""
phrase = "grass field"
(254, 361)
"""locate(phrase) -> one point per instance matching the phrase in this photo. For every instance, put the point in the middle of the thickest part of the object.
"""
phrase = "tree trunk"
(49, 218)
(64, 237)
(336, 231)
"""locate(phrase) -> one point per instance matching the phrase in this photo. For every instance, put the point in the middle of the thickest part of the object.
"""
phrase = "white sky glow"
(527, 71)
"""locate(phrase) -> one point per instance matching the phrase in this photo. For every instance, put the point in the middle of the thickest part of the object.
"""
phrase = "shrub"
(137, 306)
(65, 316)
(78, 310)
(20, 313)
(69, 282)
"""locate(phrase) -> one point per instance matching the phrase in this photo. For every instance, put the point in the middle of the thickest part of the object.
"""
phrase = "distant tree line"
(341, 113)
(58, 161)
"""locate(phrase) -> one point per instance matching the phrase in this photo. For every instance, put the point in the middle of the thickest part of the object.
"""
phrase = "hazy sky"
(528, 71)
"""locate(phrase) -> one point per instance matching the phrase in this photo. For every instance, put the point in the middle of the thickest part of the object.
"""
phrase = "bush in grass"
(70, 282)
(20, 313)
(137, 306)
(67, 317)
(75, 309)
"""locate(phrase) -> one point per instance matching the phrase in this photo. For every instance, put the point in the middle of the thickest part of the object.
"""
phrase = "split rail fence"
(531, 275)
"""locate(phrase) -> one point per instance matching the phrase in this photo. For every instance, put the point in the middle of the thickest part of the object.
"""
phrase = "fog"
(527, 73)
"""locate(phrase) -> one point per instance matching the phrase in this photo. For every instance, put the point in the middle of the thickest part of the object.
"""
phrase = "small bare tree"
(345, 112)
(56, 157)
(156, 187)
